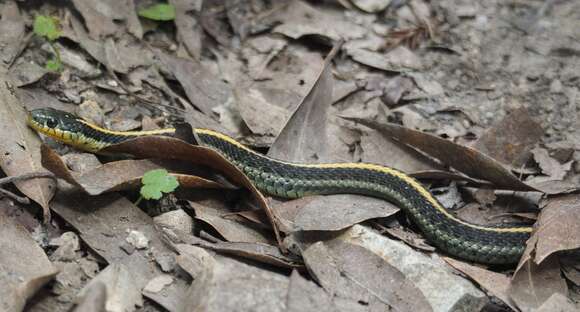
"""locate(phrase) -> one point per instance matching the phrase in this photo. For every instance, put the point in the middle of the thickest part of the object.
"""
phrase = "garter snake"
(495, 244)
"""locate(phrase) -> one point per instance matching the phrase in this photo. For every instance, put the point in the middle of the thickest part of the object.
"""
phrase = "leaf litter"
(499, 118)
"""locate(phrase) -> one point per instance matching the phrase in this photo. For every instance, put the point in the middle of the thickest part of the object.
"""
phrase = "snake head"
(48, 120)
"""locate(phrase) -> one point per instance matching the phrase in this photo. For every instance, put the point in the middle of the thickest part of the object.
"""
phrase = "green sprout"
(48, 27)
(155, 183)
(159, 12)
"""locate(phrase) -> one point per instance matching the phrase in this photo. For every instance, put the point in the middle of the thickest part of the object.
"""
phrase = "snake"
(496, 244)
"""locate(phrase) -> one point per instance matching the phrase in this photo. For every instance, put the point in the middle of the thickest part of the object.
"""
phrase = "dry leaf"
(462, 158)
(337, 212)
(229, 225)
(303, 138)
(557, 228)
(187, 22)
(171, 148)
(304, 295)
(115, 176)
(122, 293)
(25, 267)
(20, 148)
(12, 32)
(494, 283)
(533, 284)
(231, 285)
(511, 140)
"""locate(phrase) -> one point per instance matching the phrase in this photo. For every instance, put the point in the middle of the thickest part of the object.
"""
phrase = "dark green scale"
(292, 181)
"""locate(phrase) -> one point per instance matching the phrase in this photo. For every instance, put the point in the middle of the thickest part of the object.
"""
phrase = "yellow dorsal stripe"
(128, 133)
(386, 170)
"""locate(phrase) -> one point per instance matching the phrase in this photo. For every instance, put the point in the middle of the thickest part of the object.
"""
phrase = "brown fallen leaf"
(511, 140)
(225, 284)
(533, 284)
(20, 148)
(229, 226)
(189, 31)
(558, 302)
(25, 267)
(102, 223)
(378, 149)
(114, 176)
(303, 138)
(12, 28)
(299, 19)
(171, 148)
(94, 299)
(464, 159)
(337, 212)
(122, 292)
(259, 252)
(353, 273)
(494, 283)
(304, 295)
(204, 90)
(550, 166)
(260, 115)
(557, 229)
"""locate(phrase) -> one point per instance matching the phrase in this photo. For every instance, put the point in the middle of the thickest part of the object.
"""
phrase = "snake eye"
(51, 123)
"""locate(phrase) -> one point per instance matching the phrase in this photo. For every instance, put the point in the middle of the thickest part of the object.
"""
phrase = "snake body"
(499, 244)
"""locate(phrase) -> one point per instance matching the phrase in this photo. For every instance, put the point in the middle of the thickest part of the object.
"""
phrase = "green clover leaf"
(156, 182)
(159, 12)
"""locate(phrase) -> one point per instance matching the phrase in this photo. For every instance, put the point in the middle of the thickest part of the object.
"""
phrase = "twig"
(26, 176)
(22, 200)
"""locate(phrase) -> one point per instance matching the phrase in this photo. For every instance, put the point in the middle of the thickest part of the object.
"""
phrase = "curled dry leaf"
(171, 148)
(229, 225)
(557, 229)
(494, 283)
(534, 284)
(259, 252)
(303, 138)
(20, 148)
(114, 176)
(464, 159)
(25, 267)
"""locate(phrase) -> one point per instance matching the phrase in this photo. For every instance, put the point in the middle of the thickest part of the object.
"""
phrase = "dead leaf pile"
(477, 101)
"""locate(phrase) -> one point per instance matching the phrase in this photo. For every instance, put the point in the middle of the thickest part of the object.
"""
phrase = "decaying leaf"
(229, 225)
(462, 158)
(114, 176)
(512, 139)
(304, 135)
(494, 283)
(337, 212)
(25, 267)
(171, 148)
(351, 272)
(557, 228)
(20, 148)
(534, 284)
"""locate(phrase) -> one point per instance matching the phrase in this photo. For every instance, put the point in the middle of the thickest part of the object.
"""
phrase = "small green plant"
(155, 183)
(159, 12)
(48, 27)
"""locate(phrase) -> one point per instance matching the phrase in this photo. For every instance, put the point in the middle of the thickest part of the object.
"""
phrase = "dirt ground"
(478, 100)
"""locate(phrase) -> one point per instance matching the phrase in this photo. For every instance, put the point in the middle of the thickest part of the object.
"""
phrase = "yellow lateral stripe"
(128, 133)
(386, 170)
